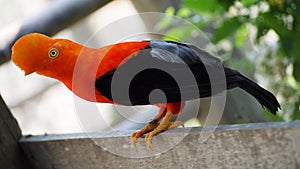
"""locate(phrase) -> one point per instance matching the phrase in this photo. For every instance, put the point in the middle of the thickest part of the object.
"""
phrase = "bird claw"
(149, 127)
(155, 129)
(134, 138)
(165, 125)
(175, 124)
(148, 140)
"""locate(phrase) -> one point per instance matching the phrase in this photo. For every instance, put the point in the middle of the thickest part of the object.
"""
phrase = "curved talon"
(148, 140)
(149, 127)
(175, 124)
(164, 125)
(154, 127)
(134, 138)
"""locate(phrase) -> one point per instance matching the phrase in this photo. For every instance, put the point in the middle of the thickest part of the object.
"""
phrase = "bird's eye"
(53, 53)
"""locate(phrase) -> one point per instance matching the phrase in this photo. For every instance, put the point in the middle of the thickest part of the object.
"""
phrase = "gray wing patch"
(166, 55)
(175, 52)
(206, 57)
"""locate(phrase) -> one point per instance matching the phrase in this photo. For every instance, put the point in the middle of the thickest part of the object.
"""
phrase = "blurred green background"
(260, 38)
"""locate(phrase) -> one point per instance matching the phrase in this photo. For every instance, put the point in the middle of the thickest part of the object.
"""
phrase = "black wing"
(165, 72)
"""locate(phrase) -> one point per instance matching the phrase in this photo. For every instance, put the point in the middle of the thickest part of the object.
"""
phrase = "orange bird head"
(58, 58)
(41, 54)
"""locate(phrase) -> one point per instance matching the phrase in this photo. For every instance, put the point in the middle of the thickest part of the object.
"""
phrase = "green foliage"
(177, 34)
(207, 7)
(241, 35)
(226, 28)
(248, 3)
(175, 31)
(272, 117)
(296, 72)
(266, 32)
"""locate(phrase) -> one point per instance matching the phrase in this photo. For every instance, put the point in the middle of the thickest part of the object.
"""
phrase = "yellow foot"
(165, 125)
(149, 127)
(153, 128)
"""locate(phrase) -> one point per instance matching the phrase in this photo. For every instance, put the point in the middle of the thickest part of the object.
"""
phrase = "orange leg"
(150, 125)
(166, 112)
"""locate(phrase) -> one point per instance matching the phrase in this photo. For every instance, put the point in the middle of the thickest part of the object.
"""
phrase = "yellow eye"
(53, 53)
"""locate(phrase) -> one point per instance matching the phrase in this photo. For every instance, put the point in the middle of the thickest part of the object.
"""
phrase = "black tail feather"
(264, 97)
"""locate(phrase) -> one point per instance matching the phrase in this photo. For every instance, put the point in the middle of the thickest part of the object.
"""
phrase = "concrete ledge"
(261, 145)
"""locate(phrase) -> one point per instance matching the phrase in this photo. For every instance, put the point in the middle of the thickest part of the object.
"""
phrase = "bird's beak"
(28, 72)
(26, 69)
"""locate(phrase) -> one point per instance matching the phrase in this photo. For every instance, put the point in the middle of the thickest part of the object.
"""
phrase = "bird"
(161, 73)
